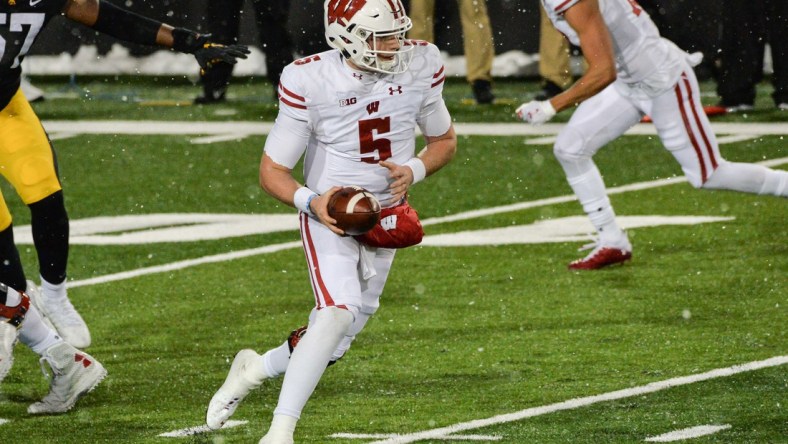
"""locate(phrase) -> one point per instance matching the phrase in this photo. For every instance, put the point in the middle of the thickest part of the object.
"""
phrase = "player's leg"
(29, 164)
(222, 22)
(479, 48)
(422, 14)
(11, 271)
(272, 16)
(275, 361)
(596, 122)
(333, 263)
(554, 58)
(685, 131)
(74, 373)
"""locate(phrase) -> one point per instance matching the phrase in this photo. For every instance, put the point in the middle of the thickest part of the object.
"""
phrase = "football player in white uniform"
(352, 113)
(633, 72)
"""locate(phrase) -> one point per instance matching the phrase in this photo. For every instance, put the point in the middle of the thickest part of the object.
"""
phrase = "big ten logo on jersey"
(348, 101)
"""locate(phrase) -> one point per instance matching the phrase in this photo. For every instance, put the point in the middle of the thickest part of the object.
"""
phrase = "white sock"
(590, 191)
(310, 358)
(50, 290)
(282, 426)
(36, 334)
(12, 297)
(276, 360)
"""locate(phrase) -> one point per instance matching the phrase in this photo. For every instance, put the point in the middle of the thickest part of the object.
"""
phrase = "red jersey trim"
(561, 6)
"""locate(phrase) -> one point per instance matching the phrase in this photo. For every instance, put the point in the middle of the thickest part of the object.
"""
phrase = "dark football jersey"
(20, 23)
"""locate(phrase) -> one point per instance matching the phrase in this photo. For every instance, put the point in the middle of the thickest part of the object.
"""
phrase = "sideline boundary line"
(585, 401)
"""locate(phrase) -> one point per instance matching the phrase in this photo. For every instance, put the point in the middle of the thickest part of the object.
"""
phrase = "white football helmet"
(354, 27)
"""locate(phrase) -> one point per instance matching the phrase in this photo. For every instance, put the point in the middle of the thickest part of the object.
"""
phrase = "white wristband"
(548, 109)
(301, 199)
(418, 168)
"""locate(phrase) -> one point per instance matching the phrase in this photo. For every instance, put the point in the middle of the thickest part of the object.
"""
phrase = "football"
(355, 209)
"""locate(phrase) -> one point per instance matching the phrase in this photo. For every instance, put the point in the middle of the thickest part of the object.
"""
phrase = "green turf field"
(476, 343)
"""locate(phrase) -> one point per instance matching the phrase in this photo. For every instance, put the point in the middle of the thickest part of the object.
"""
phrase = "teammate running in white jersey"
(352, 112)
(632, 71)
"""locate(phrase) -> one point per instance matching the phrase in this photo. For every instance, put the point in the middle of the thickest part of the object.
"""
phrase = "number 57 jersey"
(20, 23)
(353, 119)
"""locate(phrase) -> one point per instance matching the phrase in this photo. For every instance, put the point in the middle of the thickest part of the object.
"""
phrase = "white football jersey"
(357, 118)
(642, 55)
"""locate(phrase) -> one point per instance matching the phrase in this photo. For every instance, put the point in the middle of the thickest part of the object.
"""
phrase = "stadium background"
(515, 26)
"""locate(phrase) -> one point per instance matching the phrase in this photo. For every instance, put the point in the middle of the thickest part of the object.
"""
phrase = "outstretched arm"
(125, 25)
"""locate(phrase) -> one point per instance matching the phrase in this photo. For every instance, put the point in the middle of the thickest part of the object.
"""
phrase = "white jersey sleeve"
(287, 140)
(434, 118)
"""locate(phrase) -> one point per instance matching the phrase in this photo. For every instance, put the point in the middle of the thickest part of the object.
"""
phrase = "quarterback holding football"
(352, 113)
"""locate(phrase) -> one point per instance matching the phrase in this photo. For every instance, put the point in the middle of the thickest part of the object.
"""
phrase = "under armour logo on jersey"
(389, 222)
(393, 90)
(357, 76)
(373, 107)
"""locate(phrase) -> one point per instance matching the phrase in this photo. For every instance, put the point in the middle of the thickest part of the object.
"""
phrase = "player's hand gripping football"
(402, 177)
(319, 207)
(536, 112)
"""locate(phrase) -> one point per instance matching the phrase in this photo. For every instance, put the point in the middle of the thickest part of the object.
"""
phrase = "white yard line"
(241, 128)
(688, 433)
(394, 435)
(184, 264)
(431, 221)
(571, 404)
(199, 429)
(221, 130)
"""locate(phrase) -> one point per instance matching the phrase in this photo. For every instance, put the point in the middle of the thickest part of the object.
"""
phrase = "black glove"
(206, 52)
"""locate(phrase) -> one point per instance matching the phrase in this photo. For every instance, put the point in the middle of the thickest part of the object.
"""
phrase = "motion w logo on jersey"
(389, 222)
(373, 107)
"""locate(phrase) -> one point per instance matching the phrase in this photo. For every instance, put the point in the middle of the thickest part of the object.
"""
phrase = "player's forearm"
(439, 151)
(125, 25)
(278, 181)
(586, 87)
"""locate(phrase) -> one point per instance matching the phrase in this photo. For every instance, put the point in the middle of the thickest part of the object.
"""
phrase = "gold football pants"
(27, 159)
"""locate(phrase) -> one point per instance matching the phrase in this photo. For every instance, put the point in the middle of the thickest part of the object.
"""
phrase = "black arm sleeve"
(126, 25)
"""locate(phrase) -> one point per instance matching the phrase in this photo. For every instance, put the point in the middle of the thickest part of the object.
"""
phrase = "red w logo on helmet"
(343, 10)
